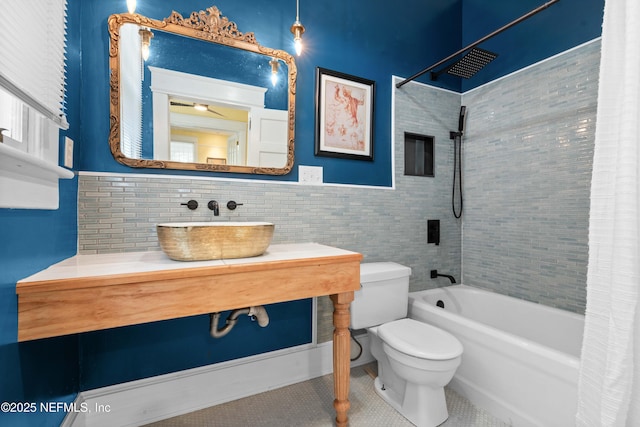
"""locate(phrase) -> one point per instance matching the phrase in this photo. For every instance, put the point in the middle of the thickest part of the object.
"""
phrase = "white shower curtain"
(609, 382)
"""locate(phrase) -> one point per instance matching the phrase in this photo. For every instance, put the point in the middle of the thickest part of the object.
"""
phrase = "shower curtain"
(609, 381)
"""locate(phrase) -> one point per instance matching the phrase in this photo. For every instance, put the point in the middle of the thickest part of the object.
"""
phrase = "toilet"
(415, 360)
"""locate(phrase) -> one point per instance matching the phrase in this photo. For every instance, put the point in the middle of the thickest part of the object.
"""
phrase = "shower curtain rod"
(474, 44)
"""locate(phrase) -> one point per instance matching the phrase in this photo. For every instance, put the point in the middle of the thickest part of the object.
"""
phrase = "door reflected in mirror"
(209, 133)
(199, 104)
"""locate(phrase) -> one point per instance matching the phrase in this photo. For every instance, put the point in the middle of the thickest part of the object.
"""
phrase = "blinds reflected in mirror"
(131, 91)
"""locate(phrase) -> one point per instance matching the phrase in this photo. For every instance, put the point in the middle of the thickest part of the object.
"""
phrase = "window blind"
(32, 63)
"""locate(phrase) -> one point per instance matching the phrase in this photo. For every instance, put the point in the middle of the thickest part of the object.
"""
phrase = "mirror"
(197, 94)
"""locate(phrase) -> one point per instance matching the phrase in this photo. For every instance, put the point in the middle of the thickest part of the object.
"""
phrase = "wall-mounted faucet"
(434, 274)
(213, 205)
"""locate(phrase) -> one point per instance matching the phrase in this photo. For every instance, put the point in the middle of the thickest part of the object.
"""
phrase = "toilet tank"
(384, 294)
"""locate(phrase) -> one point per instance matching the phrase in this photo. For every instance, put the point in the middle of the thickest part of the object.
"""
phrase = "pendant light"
(274, 71)
(145, 37)
(297, 29)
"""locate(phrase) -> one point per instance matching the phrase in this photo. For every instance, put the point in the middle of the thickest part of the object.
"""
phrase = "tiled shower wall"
(528, 148)
(527, 170)
(118, 213)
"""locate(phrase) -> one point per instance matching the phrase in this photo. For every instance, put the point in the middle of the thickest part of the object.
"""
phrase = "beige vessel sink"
(199, 241)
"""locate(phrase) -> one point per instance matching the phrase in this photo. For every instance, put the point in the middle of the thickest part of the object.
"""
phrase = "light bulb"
(131, 6)
(200, 107)
(145, 41)
(297, 29)
(274, 71)
(297, 43)
(145, 51)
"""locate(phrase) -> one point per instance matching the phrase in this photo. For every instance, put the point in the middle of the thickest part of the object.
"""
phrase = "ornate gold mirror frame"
(208, 25)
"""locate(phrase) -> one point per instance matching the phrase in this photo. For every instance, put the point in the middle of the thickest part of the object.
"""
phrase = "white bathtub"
(520, 359)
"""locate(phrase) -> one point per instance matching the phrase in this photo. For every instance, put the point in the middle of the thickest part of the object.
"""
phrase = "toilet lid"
(420, 339)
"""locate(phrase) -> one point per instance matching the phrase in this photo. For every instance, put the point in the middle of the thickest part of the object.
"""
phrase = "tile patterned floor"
(309, 404)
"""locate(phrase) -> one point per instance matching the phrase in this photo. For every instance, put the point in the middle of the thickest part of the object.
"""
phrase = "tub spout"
(434, 274)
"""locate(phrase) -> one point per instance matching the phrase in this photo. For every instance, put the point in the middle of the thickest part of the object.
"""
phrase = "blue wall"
(42, 370)
(124, 354)
(374, 41)
(371, 43)
(559, 27)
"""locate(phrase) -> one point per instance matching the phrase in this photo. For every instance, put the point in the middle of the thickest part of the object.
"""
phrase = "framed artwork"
(344, 115)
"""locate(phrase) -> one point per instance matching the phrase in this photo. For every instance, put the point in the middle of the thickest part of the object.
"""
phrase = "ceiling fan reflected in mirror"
(198, 106)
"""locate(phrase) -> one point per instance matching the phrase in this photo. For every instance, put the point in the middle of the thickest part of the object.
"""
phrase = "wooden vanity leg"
(341, 356)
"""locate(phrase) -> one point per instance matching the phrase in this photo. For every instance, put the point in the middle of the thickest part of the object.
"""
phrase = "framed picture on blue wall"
(344, 115)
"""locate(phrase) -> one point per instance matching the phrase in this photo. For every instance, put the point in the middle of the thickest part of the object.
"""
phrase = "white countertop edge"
(94, 265)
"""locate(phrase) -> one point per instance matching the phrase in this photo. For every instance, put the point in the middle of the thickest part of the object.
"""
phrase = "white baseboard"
(152, 399)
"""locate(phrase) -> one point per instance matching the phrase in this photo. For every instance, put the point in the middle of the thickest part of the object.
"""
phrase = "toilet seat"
(420, 339)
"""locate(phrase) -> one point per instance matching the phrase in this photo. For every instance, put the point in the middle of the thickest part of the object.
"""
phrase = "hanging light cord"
(457, 168)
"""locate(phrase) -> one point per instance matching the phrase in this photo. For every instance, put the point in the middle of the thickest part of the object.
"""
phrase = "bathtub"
(520, 360)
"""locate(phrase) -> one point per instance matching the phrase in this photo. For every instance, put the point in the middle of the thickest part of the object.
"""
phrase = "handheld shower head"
(463, 111)
(457, 165)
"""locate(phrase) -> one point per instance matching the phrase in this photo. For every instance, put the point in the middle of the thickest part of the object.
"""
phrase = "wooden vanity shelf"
(93, 292)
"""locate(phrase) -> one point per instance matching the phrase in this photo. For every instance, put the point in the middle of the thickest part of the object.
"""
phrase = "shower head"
(467, 66)
(471, 63)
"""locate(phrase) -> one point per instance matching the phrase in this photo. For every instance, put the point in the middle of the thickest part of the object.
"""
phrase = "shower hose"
(457, 173)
